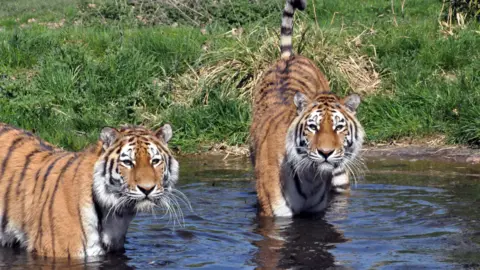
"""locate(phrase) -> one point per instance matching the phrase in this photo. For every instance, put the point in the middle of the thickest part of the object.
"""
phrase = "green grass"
(113, 64)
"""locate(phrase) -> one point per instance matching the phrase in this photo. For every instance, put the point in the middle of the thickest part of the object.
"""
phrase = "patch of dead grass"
(237, 69)
(435, 140)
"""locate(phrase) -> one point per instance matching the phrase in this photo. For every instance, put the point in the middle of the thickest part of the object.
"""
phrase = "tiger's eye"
(127, 163)
(155, 161)
(339, 127)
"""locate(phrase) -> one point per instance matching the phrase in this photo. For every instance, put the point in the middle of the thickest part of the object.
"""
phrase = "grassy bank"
(69, 67)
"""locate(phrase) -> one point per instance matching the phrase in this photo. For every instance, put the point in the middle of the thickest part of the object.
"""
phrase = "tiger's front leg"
(269, 191)
(67, 244)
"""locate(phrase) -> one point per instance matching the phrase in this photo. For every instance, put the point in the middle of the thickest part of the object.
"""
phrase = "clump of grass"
(462, 10)
(237, 68)
(224, 13)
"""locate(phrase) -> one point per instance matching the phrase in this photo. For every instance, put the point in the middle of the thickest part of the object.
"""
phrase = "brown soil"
(442, 153)
(449, 153)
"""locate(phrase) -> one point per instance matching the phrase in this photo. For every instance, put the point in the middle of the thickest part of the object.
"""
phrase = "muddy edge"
(458, 154)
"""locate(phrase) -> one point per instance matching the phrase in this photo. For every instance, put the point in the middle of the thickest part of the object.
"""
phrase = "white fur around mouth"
(145, 205)
(327, 166)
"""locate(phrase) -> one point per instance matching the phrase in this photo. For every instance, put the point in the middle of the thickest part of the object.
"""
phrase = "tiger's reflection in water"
(18, 258)
(304, 242)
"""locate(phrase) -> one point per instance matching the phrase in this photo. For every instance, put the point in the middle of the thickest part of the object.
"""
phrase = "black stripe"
(40, 230)
(19, 184)
(99, 214)
(287, 14)
(268, 73)
(302, 62)
(110, 167)
(325, 191)
(37, 174)
(105, 162)
(44, 145)
(169, 168)
(107, 156)
(298, 184)
(281, 85)
(338, 173)
(266, 85)
(5, 130)
(283, 88)
(298, 130)
(49, 170)
(12, 147)
(78, 166)
(277, 116)
(284, 48)
(286, 31)
(52, 198)
(78, 208)
(354, 130)
(6, 204)
(28, 159)
(301, 82)
(111, 181)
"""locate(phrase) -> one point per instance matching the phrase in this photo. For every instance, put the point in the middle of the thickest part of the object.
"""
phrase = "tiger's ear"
(108, 136)
(164, 133)
(351, 102)
(300, 101)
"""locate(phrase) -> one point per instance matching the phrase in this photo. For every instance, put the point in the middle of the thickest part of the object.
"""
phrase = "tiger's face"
(326, 131)
(137, 168)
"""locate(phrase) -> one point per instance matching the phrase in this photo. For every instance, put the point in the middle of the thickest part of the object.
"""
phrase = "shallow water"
(402, 214)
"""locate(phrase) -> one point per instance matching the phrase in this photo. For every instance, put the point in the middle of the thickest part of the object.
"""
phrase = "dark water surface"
(400, 215)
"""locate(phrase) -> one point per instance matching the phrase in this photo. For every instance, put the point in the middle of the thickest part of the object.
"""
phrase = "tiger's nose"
(325, 152)
(146, 189)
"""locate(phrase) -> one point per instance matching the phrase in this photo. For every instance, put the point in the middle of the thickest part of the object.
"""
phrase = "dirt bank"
(451, 153)
(441, 153)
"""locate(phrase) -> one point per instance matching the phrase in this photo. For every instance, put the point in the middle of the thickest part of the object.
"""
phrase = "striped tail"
(287, 26)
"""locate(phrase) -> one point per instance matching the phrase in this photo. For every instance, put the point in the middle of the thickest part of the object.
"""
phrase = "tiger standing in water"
(303, 138)
(76, 204)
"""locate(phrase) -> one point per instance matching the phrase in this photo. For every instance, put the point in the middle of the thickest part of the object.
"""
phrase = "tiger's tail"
(287, 26)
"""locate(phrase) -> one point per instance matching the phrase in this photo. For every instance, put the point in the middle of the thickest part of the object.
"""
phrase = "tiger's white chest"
(104, 231)
(305, 191)
(114, 230)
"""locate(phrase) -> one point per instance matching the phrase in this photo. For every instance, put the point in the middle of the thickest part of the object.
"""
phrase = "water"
(401, 215)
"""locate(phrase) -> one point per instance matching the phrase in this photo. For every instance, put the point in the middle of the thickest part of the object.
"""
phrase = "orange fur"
(46, 191)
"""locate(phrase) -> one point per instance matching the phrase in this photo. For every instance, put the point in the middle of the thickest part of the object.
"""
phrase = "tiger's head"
(326, 131)
(136, 170)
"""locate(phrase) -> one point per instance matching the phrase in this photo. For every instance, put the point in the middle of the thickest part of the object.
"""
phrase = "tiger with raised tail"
(76, 204)
(303, 138)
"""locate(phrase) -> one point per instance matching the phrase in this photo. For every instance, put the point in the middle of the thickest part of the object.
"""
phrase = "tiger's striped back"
(273, 96)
